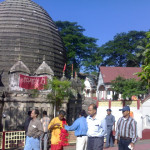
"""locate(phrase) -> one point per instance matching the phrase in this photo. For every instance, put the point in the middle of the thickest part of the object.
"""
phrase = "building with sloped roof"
(107, 74)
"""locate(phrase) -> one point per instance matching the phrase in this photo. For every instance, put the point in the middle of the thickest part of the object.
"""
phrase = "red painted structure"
(146, 134)
(3, 144)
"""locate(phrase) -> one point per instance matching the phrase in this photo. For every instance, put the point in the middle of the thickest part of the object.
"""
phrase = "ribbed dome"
(26, 29)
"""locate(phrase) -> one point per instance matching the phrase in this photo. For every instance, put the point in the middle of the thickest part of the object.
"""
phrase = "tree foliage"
(59, 91)
(128, 87)
(81, 50)
(123, 50)
(118, 84)
(145, 73)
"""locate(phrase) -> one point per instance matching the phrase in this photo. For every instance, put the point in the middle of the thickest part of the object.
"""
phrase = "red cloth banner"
(28, 82)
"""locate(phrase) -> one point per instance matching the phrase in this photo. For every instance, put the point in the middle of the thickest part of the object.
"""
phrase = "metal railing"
(12, 139)
(16, 139)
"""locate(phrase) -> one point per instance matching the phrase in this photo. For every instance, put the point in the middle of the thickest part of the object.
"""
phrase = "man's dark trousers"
(124, 143)
(95, 143)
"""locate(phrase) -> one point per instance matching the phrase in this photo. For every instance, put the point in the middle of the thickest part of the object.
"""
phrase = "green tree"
(145, 73)
(118, 85)
(81, 50)
(128, 87)
(133, 87)
(123, 50)
(59, 91)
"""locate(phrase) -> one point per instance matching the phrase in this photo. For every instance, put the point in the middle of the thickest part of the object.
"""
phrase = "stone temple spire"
(19, 67)
(26, 23)
(44, 68)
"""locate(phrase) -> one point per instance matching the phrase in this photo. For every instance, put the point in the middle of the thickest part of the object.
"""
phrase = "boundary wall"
(140, 112)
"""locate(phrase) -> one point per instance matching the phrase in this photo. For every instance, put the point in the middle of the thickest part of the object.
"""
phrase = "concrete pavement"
(140, 145)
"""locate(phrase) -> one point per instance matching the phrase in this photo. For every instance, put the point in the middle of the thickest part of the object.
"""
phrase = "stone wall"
(16, 106)
(87, 101)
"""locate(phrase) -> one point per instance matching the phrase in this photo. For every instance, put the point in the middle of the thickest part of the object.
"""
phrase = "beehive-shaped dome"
(26, 29)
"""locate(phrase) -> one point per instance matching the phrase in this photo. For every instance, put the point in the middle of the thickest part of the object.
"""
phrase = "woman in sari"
(58, 133)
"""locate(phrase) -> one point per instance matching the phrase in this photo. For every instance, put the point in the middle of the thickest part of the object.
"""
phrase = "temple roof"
(19, 67)
(63, 78)
(44, 69)
(27, 29)
(75, 82)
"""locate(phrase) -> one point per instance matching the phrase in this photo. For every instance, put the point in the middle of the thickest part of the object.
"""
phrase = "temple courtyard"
(140, 145)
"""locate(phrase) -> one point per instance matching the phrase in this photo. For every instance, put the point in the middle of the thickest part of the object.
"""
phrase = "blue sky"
(102, 19)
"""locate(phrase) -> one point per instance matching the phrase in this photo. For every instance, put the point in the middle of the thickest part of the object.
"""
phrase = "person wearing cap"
(97, 129)
(110, 120)
(80, 128)
(126, 130)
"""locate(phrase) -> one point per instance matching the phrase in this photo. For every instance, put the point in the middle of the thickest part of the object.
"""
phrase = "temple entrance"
(73, 108)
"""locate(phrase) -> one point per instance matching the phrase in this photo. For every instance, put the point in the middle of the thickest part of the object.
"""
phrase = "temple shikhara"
(31, 51)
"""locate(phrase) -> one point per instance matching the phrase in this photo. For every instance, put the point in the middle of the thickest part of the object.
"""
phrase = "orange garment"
(131, 114)
(55, 136)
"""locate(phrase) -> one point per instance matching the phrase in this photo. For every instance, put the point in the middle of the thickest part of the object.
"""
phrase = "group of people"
(90, 130)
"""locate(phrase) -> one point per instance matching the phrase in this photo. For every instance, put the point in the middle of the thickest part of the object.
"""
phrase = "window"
(108, 92)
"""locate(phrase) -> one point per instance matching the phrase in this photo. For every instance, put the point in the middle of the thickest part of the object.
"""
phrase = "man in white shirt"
(97, 128)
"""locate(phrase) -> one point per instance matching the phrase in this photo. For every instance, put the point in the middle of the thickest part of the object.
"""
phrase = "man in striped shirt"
(126, 130)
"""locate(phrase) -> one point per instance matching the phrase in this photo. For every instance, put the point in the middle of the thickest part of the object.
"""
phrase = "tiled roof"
(111, 73)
